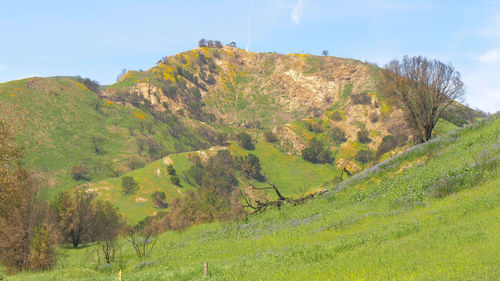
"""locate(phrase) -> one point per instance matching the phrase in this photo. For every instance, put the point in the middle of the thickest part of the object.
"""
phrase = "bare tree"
(202, 42)
(423, 89)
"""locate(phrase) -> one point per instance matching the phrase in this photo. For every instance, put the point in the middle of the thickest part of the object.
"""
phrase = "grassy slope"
(59, 114)
(289, 172)
(381, 224)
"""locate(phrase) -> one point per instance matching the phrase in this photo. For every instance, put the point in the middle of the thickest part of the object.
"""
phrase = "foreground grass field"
(432, 213)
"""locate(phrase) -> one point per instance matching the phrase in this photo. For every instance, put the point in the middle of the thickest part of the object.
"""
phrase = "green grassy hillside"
(431, 213)
(60, 116)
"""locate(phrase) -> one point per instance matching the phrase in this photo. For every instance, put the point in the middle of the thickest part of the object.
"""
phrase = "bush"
(388, 143)
(79, 172)
(316, 153)
(129, 185)
(269, 136)
(373, 117)
(364, 136)
(336, 116)
(362, 98)
(135, 163)
(364, 156)
(338, 135)
(171, 170)
(175, 180)
(250, 165)
(245, 141)
(221, 138)
(158, 200)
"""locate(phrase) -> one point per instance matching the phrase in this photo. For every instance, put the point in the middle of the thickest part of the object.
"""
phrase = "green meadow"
(430, 213)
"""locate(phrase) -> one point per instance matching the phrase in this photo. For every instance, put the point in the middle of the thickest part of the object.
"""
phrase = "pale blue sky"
(97, 39)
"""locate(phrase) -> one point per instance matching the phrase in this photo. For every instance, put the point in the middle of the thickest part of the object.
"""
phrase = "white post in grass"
(205, 269)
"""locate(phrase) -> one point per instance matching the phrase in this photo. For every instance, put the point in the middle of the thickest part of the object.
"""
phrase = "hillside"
(196, 101)
(430, 213)
(60, 117)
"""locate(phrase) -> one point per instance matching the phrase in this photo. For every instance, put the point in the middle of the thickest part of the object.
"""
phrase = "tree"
(250, 165)
(338, 134)
(389, 142)
(325, 53)
(218, 44)
(26, 241)
(232, 44)
(364, 136)
(317, 153)
(97, 143)
(364, 156)
(129, 185)
(269, 136)
(158, 200)
(120, 75)
(175, 180)
(202, 43)
(81, 219)
(79, 172)
(171, 170)
(245, 140)
(424, 88)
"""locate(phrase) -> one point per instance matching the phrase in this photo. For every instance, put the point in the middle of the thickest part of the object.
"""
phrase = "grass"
(385, 223)
(60, 115)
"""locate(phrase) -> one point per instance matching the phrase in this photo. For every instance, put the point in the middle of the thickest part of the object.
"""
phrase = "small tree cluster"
(269, 136)
(82, 219)
(250, 165)
(317, 153)
(129, 185)
(364, 136)
(338, 135)
(245, 141)
(362, 98)
(210, 43)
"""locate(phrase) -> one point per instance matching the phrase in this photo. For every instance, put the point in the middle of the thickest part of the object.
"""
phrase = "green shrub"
(364, 156)
(129, 185)
(338, 135)
(317, 153)
(79, 172)
(245, 141)
(336, 116)
(171, 170)
(388, 143)
(364, 136)
(175, 180)
(269, 136)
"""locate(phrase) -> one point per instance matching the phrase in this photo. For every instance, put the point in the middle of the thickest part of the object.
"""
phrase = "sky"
(97, 39)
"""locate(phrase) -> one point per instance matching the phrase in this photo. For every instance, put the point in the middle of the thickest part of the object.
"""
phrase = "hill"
(430, 213)
(199, 100)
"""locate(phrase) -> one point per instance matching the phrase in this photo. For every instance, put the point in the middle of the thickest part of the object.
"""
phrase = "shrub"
(250, 165)
(338, 134)
(362, 98)
(336, 116)
(364, 156)
(245, 141)
(221, 138)
(388, 143)
(129, 185)
(97, 143)
(171, 170)
(316, 153)
(269, 136)
(79, 172)
(135, 163)
(373, 117)
(158, 200)
(364, 136)
(175, 180)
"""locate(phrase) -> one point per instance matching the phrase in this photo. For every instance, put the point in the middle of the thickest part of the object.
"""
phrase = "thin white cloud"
(492, 56)
(297, 12)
